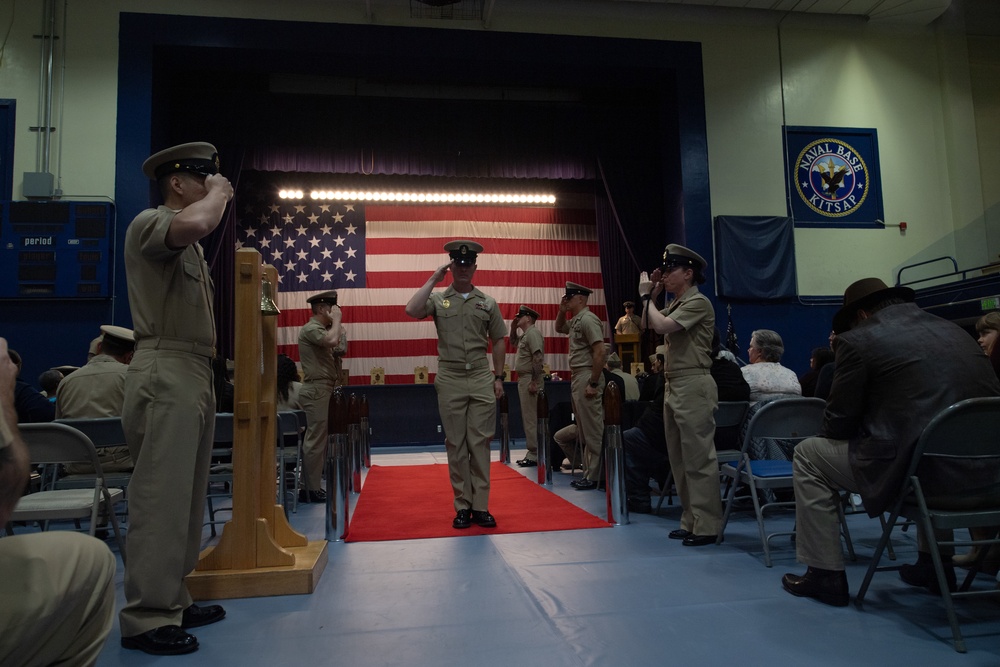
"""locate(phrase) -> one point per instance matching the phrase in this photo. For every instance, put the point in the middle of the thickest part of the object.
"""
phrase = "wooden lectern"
(258, 553)
(628, 349)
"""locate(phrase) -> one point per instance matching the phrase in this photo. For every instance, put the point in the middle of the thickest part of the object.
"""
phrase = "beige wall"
(938, 118)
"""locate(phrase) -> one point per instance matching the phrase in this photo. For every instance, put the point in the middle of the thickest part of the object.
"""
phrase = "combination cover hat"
(197, 157)
(865, 293)
(573, 289)
(122, 334)
(463, 252)
(678, 255)
(324, 297)
(524, 310)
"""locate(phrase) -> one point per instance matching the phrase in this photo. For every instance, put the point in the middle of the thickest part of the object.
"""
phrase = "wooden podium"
(258, 554)
(628, 349)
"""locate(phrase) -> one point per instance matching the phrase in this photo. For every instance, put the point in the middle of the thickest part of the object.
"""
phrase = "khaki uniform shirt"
(531, 341)
(320, 363)
(628, 325)
(169, 291)
(584, 330)
(96, 390)
(465, 325)
(690, 348)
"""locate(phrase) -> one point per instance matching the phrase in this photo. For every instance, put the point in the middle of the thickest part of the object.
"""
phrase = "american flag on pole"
(376, 256)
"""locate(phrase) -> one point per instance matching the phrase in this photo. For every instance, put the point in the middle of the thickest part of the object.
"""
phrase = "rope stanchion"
(354, 440)
(366, 440)
(544, 469)
(504, 430)
(338, 497)
(614, 460)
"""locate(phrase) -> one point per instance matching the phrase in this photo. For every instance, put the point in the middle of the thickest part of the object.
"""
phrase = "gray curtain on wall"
(755, 257)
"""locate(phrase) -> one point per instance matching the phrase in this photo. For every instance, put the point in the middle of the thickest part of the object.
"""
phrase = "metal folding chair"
(967, 430)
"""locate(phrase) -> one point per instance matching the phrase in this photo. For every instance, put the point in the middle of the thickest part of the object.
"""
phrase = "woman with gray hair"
(765, 375)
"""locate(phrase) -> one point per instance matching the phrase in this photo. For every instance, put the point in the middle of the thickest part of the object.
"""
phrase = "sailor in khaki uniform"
(691, 394)
(629, 323)
(528, 363)
(587, 355)
(57, 592)
(169, 411)
(98, 390)
(322, 346)
(466, 320)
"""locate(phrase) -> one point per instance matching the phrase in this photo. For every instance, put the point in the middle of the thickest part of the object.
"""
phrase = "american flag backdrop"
(376, 256)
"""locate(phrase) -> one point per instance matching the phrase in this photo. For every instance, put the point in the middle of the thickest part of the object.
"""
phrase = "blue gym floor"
(619, 597)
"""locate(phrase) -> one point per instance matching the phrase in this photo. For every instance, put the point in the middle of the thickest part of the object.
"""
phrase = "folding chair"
(221, 472)
(51, 444)
(786, 419)
(966, 430)
(729, 413)
(103, 432)
(288, 426)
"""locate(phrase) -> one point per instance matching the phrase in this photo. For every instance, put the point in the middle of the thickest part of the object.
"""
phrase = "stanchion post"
(544, 469)
(337, 471)
(614, 460)
(354, 437)
(504, 430)
(366, 441)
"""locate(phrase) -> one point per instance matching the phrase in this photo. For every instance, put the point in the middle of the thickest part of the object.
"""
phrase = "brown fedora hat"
(865, 293)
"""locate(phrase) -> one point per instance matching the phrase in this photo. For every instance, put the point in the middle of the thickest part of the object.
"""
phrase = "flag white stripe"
(487, 262)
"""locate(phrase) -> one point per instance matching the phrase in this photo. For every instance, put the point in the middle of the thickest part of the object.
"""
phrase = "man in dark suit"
(897, 367)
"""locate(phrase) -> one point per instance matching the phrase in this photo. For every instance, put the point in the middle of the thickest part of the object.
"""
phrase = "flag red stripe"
(414, 280)
(433, 246)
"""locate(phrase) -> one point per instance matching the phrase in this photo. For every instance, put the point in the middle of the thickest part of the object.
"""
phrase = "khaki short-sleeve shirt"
(170, 290)
(464, 325)
(96, 390)
(530, 342)
(320, 363)
(584, 330)
(691, 347)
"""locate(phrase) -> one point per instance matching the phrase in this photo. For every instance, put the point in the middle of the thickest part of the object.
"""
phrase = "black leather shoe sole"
(679, 534)
(583, 484)
(699, 540)
(166, 640)
(527, 463)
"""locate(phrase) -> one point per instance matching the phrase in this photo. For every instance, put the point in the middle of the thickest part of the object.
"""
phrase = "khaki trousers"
(169, 423)
(529, 416)
(57, 599)
(468, 409)
(589, 420)
(315, 401)
(689, 429)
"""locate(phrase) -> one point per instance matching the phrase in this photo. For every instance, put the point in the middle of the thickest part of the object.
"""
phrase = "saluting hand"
(645, 284)
(219, 183)
(442, 271)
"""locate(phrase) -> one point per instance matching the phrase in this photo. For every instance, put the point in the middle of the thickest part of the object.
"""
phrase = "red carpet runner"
(415, 502)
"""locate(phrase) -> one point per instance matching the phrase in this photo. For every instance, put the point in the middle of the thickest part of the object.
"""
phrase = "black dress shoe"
(484, 519)
(195, 616)
(827, 586)
(164, 640)
(922, 574)
(693, 540)
(312, 496)
(462, 520)
(679, 534)
(527, 463)
(583, 484)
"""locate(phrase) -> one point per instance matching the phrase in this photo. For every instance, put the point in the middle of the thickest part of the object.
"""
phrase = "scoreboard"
(56, 249)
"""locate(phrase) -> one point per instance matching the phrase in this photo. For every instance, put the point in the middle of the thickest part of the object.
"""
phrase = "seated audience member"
(30, 405)
(732, 387)
(629, 383)
(98, 390)
(645, 448)
(988, 328)
(824, 379)
(566, 436)
(92, 350)
(821, 356)
(288, 384)
(58, 587)
(880, 403)
(653, 381)
(765, 375)
(49, 381)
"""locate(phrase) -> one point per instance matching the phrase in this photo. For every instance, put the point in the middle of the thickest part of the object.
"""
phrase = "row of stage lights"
(446, 197)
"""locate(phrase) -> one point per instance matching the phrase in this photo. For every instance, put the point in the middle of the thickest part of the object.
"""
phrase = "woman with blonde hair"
(988, 328)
